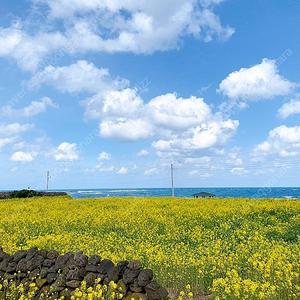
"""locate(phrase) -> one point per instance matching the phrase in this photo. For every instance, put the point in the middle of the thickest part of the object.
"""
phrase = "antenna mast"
(48, 177)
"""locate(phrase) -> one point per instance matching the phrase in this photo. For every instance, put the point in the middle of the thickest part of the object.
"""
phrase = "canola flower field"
(218, 248)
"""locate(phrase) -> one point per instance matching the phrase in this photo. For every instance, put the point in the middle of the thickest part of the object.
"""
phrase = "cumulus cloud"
(170, 112)
(110, 26)
(145, 27)
(196, 173)
(6, 141)
(107, 169)
(288, 109)
(204, 136)
(113, 104)
(198, 161)
(9, 133)
(181, 124)
(233, 158)
(193, 173)
(25, 49)
(178, 124)
(259, 82)
(35, 108)
(101, 168)
(123, 171)
(286, 134)
(81, 76)
(104, 156)
(14, 129)
(66, 152)
(124, 129)
(151, 171)
(239, 171)
(282, 141)
(21, 156)
(142, 153)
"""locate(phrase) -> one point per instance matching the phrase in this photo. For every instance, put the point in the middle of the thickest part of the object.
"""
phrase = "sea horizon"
(182, 192)
(222, 192)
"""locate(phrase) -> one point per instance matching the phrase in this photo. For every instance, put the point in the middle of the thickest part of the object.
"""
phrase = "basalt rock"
(19, 255)
(155, 291)
(105, 265)
(94, 260)
(59, 275)
(90, 279)
(145, 277)
(130, 275)
(113, 274)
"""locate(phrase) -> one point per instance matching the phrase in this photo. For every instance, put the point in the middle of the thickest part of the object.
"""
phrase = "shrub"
(24, 194)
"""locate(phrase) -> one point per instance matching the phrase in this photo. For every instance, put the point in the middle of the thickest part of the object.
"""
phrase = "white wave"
(89, 192)
(117, 191)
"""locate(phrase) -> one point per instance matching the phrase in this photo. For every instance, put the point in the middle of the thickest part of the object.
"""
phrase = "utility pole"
(48, 177)
(172, 180)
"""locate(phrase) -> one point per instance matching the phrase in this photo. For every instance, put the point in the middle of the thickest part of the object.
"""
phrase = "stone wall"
(60, 275)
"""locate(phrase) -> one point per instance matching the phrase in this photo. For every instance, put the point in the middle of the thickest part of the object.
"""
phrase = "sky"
(110, 93)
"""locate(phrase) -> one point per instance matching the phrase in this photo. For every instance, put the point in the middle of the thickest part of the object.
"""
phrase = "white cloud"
(21, 156)
(142, 153)
(25, 49)
(6, 141)
(259, 82)
(9, 133)
(233, 158)
(238, 171)
(110, 26)
(123, 171)
(204, 136)
(168, 111)
(14, 169)
(81, 76)
(196, 173)
(204, 160)
(19, 146)
(35, 107)
(100, 168)
(66, 151)
(151, 171)
(14, 129)
(282, 141)
(193, 173)
(107, 169)
(288, 109)
(104, 156)
(286, 134)
(205, 175)
(125, 129)
(121, 103)
(113, 104)
(181, 123)
(146, 26)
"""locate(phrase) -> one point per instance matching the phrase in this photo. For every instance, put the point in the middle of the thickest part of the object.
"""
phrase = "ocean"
(260, 192)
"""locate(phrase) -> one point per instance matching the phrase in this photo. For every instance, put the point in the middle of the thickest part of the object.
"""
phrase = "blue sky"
(109, 93)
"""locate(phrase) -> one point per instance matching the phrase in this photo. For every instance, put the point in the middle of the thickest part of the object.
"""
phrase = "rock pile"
(60, 275)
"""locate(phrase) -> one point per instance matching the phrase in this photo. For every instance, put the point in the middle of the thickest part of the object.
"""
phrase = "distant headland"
(29, 193)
